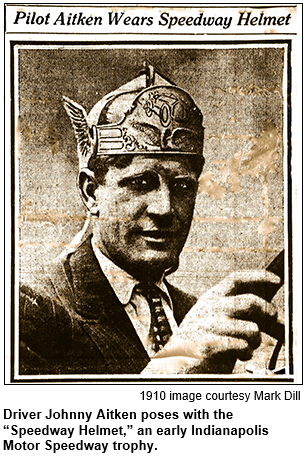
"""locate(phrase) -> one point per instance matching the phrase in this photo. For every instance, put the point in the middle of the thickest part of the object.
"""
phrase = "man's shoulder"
(72, 323)
(45, 317)
(49, 324)
(51, 287)
(42, 314)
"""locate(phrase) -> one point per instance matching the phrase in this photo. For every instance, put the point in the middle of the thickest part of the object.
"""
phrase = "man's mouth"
(158, 236)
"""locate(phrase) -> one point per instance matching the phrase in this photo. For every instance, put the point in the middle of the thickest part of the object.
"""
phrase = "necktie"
(160, 330)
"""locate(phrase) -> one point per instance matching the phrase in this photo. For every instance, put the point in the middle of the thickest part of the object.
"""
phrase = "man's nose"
(159, 202)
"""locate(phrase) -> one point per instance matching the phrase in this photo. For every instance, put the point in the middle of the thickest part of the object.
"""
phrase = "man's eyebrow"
(186, 178)
(142, 174)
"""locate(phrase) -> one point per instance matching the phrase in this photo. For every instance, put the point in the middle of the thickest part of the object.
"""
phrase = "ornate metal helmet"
(148, 115)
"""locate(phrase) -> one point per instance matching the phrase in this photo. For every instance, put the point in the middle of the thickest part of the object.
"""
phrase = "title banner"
(103, 20)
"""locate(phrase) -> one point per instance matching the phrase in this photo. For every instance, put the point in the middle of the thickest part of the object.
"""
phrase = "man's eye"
(184, 186)
(143, 183)
(139, 182)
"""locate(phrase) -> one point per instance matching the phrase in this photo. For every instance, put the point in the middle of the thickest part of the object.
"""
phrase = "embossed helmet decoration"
(148, 115)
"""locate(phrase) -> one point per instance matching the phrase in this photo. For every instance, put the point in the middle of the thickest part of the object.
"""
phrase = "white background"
(284, 419)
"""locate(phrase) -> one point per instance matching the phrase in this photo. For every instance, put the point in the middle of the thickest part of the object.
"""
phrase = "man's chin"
(154, 266)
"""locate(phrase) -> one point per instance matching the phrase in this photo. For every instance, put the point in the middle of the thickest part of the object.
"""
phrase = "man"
(105, 306)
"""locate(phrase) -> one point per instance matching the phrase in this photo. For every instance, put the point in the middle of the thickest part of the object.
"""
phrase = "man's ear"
(88, 186)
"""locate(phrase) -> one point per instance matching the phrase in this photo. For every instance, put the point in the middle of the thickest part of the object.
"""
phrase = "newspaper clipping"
(153, 264)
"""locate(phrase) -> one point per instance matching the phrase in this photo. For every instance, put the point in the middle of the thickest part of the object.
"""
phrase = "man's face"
(145, 212)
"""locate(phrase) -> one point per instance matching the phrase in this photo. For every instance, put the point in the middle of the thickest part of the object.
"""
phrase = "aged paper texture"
(237, 65)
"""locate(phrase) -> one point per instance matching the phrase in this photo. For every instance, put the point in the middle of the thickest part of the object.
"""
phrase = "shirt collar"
(121, 282)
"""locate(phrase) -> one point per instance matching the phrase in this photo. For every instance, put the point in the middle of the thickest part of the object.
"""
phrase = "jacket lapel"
(100, 313)
(83, 288)
(182, 302)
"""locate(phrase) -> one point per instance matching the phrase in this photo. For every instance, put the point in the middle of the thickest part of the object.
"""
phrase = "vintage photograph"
(152, 218)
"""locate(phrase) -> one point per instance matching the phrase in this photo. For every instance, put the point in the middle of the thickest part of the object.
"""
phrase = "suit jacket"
(73, 322)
